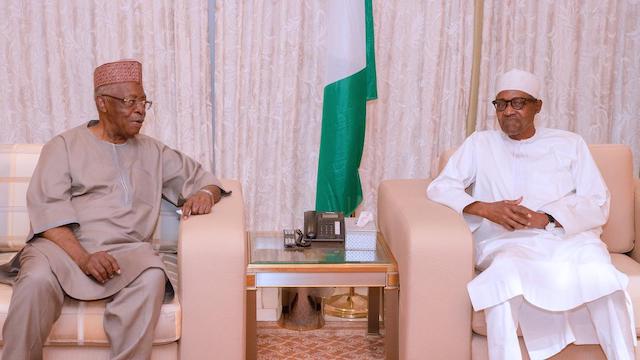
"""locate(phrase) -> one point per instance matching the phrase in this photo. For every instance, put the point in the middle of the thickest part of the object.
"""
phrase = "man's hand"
(538, 220)
(100, 265)
(508, 213)
(201, 202)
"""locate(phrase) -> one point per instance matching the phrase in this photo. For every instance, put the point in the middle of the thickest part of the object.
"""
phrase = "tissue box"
(360, 255)
(360, 238)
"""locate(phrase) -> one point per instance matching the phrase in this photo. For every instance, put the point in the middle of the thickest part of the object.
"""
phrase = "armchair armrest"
(212, 266)
(635, 253)
(434, 250)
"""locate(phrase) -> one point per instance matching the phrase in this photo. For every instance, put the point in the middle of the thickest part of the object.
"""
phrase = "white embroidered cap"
(516, 79)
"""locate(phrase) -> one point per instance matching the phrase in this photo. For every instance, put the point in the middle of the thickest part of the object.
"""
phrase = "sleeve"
(49, 192)
(449, 188)
(588, 206)
(182, 176)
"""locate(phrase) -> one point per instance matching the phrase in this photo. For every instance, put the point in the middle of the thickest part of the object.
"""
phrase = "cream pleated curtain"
(587, 53)
(269, 70)
(48, 50)
(269, 67)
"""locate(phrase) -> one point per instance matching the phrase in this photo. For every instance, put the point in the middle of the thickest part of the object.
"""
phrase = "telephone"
(324, 226)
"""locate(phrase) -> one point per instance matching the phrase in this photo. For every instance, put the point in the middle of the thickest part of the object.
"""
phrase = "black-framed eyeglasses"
(130, 103)
(517, 103)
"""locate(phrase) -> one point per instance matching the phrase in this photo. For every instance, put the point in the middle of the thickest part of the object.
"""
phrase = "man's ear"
(101, 105)
(538, 106)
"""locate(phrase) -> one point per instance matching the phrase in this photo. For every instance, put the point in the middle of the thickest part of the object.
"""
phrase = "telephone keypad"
(326, 230)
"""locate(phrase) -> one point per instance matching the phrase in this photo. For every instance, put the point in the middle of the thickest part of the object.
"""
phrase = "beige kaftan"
(111, 193)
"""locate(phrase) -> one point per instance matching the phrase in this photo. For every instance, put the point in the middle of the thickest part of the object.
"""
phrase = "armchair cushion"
(80, 322)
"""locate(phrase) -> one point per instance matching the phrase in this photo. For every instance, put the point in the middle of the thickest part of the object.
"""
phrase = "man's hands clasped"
(508, 213)
(100, 265)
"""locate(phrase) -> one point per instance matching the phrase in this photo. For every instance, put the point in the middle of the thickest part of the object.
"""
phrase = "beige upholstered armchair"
(434, 250)
(209, 311)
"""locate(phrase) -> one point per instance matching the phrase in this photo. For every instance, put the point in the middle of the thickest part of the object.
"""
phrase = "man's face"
(517, 124)
(121, 120)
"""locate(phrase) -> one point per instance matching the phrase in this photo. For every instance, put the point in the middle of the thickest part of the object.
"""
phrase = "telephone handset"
(324, 226)
(293, 238)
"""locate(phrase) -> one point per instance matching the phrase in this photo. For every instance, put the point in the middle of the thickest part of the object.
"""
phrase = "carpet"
(337, 340)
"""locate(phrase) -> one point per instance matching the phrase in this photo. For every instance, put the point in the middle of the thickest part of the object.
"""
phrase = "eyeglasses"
(516, 103)
(130, 103)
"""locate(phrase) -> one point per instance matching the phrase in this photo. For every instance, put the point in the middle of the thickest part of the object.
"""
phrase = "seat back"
(17, 163)
(16, 166)
(616, 165)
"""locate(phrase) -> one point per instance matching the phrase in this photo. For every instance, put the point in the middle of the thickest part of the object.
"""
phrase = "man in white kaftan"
(536, 212)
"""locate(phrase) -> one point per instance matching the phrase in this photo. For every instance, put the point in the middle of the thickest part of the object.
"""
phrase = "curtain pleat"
(269, 71)
(48, 50)
(586, 54)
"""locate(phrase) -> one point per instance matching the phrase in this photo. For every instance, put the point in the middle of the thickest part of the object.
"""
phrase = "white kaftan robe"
(555, 271)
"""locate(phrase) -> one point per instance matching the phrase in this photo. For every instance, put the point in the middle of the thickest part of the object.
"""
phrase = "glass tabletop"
(268, 248)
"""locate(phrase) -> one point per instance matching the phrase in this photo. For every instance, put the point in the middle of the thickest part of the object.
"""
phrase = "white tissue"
(364, 218)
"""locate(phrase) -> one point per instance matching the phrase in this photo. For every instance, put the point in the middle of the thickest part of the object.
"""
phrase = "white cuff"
(550, 226)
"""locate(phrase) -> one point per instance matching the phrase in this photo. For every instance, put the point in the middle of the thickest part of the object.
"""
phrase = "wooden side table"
(324, 265)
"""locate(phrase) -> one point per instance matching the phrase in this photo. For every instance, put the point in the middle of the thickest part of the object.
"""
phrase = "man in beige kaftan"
(93, 202)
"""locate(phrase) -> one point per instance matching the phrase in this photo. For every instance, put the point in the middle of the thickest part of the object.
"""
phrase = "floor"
(339, 340)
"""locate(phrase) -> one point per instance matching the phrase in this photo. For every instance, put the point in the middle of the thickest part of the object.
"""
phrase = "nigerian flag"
(350, 82)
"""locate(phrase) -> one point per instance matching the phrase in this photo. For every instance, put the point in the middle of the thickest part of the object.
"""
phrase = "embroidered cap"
(117, 72)
(516, 79)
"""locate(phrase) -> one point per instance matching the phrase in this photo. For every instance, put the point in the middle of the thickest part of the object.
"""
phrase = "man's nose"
(140, 107)
(508, 109)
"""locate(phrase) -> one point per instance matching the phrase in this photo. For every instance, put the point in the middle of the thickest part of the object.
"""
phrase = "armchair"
(209, 309)
(434, 250)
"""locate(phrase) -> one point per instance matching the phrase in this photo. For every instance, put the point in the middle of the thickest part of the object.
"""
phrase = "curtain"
(269, 71)
(268, 80)
(48, 50)
(586, 54)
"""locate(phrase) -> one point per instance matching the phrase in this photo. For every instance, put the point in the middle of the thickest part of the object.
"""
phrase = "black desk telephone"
(318, 226)
(324, 226)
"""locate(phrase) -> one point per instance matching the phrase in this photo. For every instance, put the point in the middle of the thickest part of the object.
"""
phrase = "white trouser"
(502, 325)
(606, 321)
(613, 326)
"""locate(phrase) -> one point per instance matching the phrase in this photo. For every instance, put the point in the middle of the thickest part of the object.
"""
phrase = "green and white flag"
(350, 82)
